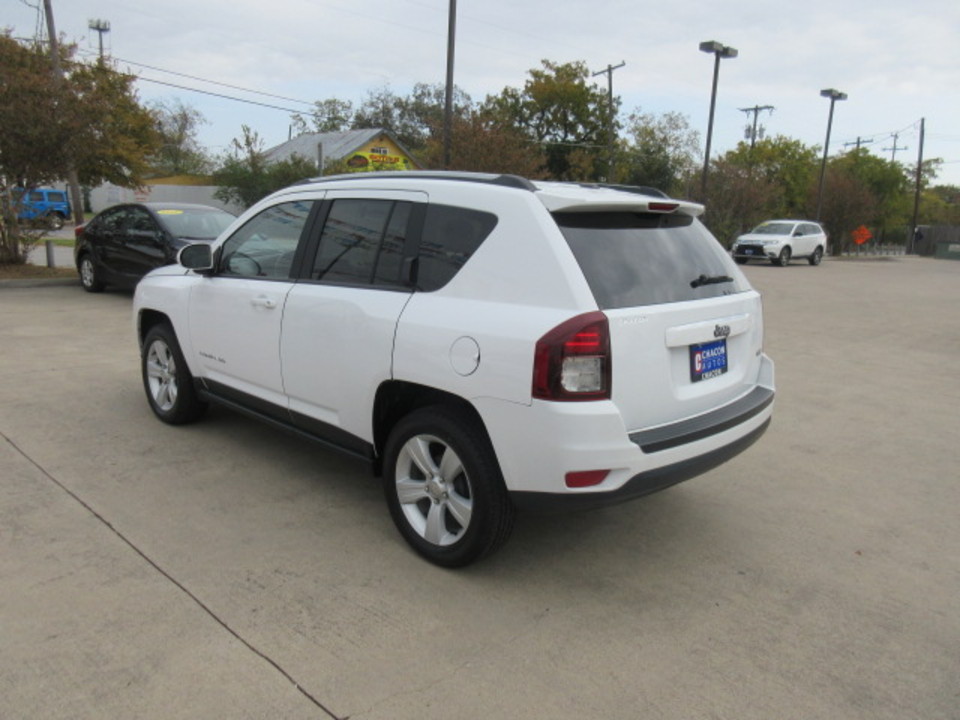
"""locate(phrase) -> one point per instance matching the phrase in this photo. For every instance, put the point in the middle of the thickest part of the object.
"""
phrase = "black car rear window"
(632, 259)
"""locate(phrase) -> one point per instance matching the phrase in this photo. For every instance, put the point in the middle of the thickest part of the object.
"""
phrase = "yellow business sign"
(368, 162)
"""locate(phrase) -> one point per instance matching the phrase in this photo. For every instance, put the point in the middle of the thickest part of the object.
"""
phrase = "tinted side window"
(362, 242)
(36, 196)
(141, 220)
(264, 247)
(390, 261)
(57, 197)
(450, 236)
(635, 259)
(113, 220)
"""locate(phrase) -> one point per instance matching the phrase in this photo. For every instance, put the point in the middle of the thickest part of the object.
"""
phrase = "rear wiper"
(708, 280)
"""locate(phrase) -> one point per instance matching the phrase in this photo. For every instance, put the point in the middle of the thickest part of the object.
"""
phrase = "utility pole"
(756, 111)
(860, 141)
(893, 157)
(610, 138)
(916, 195)
(101, 27)
(72, 180)
(448, 98)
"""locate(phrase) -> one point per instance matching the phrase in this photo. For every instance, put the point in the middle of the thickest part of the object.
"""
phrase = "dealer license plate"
(708, 360)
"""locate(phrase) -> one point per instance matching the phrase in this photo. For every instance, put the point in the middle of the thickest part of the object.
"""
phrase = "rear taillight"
(572, 361)
(78, 230)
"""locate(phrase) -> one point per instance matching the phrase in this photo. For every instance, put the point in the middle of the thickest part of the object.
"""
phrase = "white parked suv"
(781, 240)
(487, 343)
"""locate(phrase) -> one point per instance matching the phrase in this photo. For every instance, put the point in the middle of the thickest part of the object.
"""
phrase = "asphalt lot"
(225, 570)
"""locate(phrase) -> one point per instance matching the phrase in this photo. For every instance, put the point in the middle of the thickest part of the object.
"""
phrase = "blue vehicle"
(45, 205)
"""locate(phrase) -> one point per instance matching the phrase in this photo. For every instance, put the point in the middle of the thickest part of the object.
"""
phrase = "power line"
(219, 95)
(205, 80)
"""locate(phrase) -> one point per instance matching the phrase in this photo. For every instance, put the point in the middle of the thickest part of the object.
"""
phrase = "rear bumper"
(591, 437)
(687, 431)
(644, 483)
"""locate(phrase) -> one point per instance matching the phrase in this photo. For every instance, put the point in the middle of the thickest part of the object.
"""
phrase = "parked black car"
(125, 242)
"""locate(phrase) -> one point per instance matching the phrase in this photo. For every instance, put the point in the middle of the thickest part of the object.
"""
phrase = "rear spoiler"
(558, 198)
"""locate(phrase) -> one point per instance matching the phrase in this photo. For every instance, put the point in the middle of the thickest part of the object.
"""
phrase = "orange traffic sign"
(861, 235)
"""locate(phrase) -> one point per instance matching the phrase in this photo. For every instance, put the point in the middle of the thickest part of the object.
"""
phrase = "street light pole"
(448, 99)
(834, 95)
(719, 50)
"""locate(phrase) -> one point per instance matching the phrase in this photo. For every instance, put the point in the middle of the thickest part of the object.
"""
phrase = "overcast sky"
(897, 61)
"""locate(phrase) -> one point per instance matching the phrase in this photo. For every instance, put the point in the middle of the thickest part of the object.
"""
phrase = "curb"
(39, 282)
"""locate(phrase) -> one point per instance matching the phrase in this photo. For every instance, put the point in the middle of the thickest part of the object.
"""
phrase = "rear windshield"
(194, 223)
(632, 259)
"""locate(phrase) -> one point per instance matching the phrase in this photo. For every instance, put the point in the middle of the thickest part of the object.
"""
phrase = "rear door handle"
(264, 302)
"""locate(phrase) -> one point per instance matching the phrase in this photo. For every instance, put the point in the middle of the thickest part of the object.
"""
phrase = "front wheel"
(816, 257)
(783, 259)
(444, 487)
(167, 380)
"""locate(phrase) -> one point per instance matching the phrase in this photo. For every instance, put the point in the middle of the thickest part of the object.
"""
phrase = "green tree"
(887, 182)
(786, 163)
(561, 110)
(180, 151)
(848, 203)
(481, 144)
(739, 200)
(245, 176)
(940, 205)
(413, 118)
(330, 115)
(91, 122)
(663, 151)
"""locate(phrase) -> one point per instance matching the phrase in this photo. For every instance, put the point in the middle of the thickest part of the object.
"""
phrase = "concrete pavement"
(227, 570)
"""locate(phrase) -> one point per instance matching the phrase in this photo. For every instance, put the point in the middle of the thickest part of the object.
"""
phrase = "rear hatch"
(686, 328)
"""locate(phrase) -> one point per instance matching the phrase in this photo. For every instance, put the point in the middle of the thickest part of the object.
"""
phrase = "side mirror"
(198, 257)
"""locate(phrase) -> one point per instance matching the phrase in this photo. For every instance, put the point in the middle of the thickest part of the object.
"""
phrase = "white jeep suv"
(487, 343)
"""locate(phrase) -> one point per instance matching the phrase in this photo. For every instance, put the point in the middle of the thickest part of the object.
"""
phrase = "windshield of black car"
(634, 259)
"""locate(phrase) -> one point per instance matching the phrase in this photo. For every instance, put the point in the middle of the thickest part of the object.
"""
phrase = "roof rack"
(513, 181)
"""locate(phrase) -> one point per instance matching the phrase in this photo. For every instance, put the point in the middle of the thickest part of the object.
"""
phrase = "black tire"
(89, 275)
(54, 221)
(167, 380)
(741, 260)
(783, 259)
(816, 257)
(444, 487)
